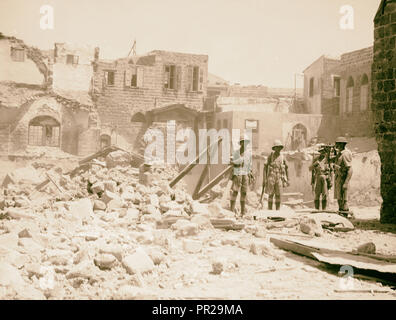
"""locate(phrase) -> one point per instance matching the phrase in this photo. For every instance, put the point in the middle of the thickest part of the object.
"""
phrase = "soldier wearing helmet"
(275, 175)
(242, 168)
(343, 173)
(321, 177)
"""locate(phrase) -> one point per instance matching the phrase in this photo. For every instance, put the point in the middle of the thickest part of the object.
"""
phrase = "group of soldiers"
(334, 163)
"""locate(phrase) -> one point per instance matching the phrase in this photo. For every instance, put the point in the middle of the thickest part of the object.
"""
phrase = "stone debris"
(368, 248)
(116, 233)
(311, 226)
(138, 262)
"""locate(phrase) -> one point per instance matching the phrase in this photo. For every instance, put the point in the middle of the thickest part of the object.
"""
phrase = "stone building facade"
(127, 89)
(342, 87)
(384, 104)
(32, 113)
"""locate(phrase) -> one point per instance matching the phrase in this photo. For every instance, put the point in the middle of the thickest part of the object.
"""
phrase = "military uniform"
(242, 167)
(321, 171)
(342, 165)
(275, 176)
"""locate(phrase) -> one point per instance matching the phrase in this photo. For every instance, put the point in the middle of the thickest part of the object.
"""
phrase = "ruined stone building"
(68, 98)
(383, 80)
(135, 93)
(38, 107)
(342, 87)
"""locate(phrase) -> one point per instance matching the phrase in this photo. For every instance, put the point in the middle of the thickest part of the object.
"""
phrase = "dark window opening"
(170, 77)
(195, 78)
(17, 54)
(337, 86)
(105, 141)
(311, 87)
(71, 59)
(109, 78)
(134, 80)
(44, 131)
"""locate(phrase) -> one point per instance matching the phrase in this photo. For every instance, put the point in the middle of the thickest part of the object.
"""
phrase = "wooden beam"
(200, 181)
(215, 181)
(192, 164)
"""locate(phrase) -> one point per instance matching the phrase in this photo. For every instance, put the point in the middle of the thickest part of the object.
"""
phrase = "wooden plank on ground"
(358, 262)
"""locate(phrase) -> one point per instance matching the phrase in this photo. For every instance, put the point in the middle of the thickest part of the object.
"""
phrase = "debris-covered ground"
(112, 231)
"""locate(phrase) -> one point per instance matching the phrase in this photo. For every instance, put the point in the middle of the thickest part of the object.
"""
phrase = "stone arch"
(44, 131)
(138, 117)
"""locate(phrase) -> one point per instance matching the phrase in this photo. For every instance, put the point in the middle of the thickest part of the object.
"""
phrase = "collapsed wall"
(384, 104)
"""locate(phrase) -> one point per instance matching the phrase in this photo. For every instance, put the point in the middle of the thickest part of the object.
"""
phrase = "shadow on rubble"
(386, 279)
(373, 224)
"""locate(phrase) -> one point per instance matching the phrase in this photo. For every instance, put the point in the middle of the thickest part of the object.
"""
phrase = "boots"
(316, 204)
(242, 208)
(277, 204)
(232, 205)
(269, 205)
(324, 204)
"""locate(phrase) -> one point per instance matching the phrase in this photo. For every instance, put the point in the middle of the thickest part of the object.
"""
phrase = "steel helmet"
(341, 140)
(277, 143)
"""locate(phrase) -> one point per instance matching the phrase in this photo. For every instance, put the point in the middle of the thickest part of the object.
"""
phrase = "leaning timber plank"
(215, 181)
(192, 164)
(53, 182)
(200, 181)
(102, 153)
(42, 184)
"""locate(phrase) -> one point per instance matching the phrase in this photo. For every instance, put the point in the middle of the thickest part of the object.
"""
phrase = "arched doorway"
(44, 131)
(349, 95)
(364, 93)
(299, 137)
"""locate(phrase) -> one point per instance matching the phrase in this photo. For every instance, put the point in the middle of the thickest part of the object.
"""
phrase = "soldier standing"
(275, 175)
(321, 178)
(242, 168)
(343, 173)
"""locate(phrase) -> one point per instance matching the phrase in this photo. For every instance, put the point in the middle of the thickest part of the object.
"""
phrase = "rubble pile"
(107, 230)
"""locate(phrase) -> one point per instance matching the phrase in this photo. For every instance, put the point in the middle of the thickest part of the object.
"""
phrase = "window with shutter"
(166, 77)
(201, 80)
(140, 77)
(170, 77)
(189, 78)
(178, 77)
(75, 59)
(109, 78)
(127, 77)
(195, 79)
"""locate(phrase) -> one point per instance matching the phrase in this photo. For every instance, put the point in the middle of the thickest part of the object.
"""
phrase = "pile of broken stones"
(108, 231)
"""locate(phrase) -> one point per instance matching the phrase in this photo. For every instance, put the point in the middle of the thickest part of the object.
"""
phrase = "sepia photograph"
(205, 151)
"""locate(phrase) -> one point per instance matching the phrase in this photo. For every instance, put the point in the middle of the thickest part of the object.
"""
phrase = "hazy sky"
(248, 41)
